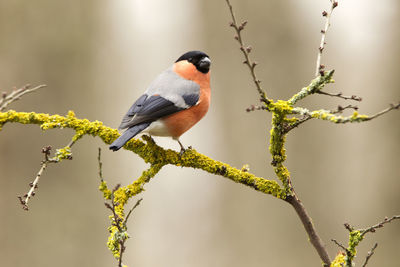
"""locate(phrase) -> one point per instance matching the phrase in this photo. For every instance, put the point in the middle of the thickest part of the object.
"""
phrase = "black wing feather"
(148, 109)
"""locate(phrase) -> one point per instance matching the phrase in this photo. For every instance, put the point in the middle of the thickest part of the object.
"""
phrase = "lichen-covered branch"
(315, 86)
(356, 236)
(150, 151)
(328, 115)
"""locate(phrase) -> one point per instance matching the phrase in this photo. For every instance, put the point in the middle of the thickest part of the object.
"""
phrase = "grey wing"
(166, 95)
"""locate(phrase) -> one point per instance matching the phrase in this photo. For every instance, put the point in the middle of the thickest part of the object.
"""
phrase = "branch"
(16, 94)
(373, 228)
(150, 152)
(315, 86)
(118, 228)
(313, 236)
(246, 50)
(328, 115)
(61, 153)
(356, 236)
(320, 68)
(340, 95)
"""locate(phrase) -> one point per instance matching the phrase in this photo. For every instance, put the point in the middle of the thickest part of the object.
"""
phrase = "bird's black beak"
(204, 65)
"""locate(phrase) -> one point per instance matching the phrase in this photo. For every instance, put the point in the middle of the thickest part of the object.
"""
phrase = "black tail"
(128, 135)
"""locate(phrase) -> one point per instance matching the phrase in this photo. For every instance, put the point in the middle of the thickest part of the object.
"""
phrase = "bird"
(176, 100)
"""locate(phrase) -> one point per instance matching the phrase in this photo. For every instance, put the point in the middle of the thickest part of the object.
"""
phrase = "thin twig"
(339, 244)
(246, 51)
(373, 228)
(391, 107)
(16, 94)
(256, 107)
(34, 185)
(130, 211)
(100, 165)
(369, 254)
(320, 68)
(340, 109)
(340, 95)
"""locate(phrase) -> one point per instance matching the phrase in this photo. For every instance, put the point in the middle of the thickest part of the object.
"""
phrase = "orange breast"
(182, 121)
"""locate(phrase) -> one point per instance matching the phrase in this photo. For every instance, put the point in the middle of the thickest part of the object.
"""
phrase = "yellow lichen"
(339, 261)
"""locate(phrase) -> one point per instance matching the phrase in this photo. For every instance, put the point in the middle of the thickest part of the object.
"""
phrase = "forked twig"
(16, 94)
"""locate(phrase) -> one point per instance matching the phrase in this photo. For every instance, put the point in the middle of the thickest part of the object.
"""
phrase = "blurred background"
(97, 57)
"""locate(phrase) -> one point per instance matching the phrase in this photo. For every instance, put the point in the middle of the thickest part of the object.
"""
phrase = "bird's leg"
(182, 147)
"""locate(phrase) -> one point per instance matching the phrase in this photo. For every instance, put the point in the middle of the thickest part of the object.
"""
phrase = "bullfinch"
(175, 101)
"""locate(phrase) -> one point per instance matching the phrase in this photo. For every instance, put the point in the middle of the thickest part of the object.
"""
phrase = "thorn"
(244, 23)
(248, 49)
(231, 24)
(335, 4)
(322, 31)
(324, 14)
(236, 37)
(254, 64)
(245, 62)
(321, 49)
(321, 72)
